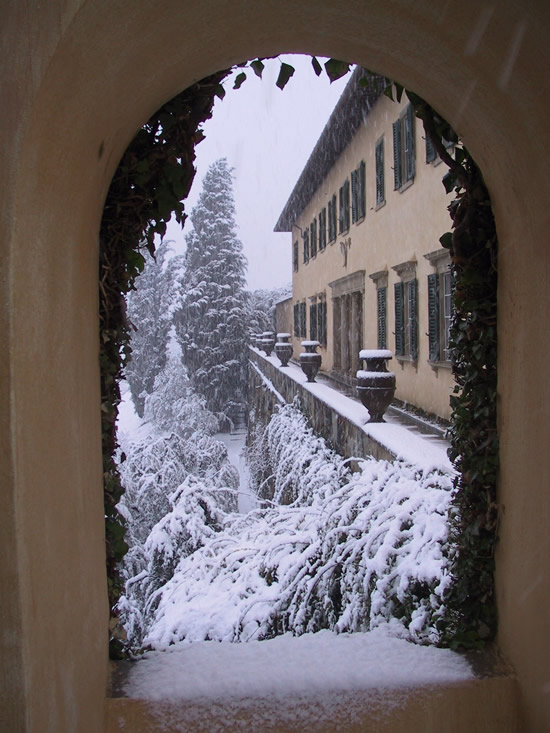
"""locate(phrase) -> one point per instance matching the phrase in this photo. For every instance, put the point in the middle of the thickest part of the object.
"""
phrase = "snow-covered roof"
(351, 110)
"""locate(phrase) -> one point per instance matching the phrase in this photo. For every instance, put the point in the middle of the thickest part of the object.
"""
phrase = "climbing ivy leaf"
(257, 67)
(284, 75)
(239, 80)
(336, 69)
(317, 68)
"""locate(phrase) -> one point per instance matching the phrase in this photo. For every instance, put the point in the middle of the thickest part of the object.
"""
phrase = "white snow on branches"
(348, 552)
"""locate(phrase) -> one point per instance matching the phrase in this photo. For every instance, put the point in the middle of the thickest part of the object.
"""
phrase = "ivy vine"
(151, 183)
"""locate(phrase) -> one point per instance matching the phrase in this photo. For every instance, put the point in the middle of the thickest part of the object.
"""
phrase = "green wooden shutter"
(334, 216)
(306, 245)
(354, 201)
(346, 205)
(341, 210)
(380, 172)
(430, 150)
(412, 288)
(381, 300)
(323, 319)
(433, 317)
(362, 194)
(313, 322)
(397, 154)
(297, 319)
(410, 152)
(313, 238)
(399, 319)
(303, 332)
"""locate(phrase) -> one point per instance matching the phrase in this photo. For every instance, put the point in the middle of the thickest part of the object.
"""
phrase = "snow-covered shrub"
(290, 464)
(193, 518)
(173, 406)
(353, 551)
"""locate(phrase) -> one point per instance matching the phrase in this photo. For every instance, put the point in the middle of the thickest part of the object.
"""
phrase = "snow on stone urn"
(283, 348)
(375, 384)
(310, 360)
(268, 342)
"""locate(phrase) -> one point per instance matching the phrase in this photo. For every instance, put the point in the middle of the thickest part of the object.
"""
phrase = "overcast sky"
(267, 135)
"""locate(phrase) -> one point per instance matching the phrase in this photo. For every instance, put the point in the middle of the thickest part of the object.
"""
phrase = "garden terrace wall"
(342, 435)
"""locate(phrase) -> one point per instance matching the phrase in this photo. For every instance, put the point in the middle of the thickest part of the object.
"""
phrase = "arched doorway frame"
(69, 130)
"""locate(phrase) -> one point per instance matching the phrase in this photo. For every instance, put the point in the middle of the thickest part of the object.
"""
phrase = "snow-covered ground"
(377, 533)
(311, 664)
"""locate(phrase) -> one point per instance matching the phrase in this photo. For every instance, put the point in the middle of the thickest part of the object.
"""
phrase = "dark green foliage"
(211, 319)
(471, 617)
(152, 178)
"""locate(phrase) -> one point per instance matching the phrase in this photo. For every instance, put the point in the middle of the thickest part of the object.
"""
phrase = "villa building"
(369, 272)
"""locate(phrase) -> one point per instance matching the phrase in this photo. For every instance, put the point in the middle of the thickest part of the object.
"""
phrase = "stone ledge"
(338, 418)
(476, 706)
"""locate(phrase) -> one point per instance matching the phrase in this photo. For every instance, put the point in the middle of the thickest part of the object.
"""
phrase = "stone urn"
(283, 348)
(268, 342)
(375, 384)
(310, 360)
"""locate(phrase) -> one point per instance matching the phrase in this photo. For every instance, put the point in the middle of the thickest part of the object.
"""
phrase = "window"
(440, 307)
(323, 229)
(380, 279)
(379, 162)
(306, 245)
(358, 193)
(318, 319)
(343, 214)
(381, 297)
(313, 238)
(406, 311)
(332, 219)
(295, 256)
(300, 320)
(431, 153)
(404, 158)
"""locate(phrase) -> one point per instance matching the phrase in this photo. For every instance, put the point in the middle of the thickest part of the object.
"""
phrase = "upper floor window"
(313, 238)
(323, 228)
(306, 245)
(295, 256)
(404, 156)
(380, 183)
(332, 219)
(358, 193)
(343, 212)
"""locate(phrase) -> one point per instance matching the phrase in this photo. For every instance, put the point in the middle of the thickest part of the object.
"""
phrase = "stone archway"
(95, 72)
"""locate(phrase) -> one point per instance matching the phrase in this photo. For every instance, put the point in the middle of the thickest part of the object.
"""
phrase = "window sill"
(406, 185)
(380, 205)
(440, 364)
(359, 221)
(407, 359)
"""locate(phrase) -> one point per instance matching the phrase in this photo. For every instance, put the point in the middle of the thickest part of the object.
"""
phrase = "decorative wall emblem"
(345, 244)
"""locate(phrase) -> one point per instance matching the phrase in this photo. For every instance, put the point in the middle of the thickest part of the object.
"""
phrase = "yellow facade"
(400, 227)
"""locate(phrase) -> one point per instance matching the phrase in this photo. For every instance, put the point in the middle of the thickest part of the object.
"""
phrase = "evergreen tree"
(261, 308)
(210, 322)
(150, 315)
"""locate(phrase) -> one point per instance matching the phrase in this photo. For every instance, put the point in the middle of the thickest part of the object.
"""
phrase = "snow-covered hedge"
(352, 551)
